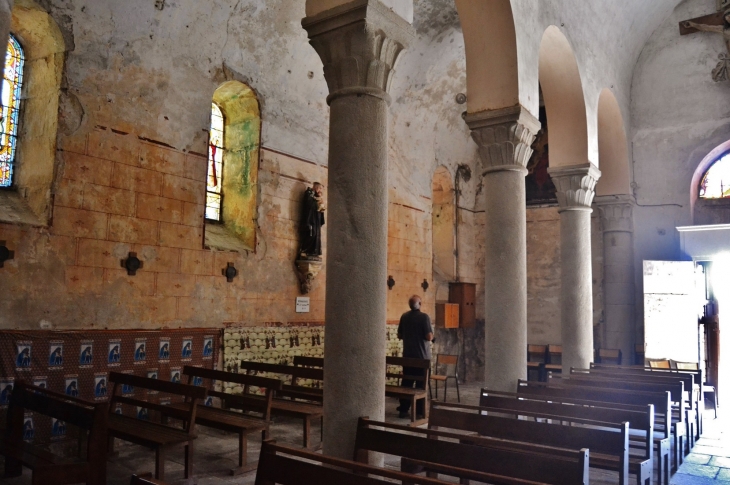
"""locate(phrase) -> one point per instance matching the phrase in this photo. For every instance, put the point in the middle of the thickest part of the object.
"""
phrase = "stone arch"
(491, 54)
(708, 211)
(242, 140)
(564, 100)
(443, 217)
(44, 47)
(613, 150)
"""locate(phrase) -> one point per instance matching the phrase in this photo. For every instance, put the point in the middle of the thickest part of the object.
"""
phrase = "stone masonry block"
(101, 254)
(193, 214)
(158, 259)
(161, 159)
(197, 262)
(70, 193)
(143, 283)
(84, 280)
(196, 167)
(113, 146)
(157, 310)
(159, 208)
(170, 284)
(79, 223)
(183, 189)
(87, 169)
(136, 179)
(109, 200)
(178, 236)
(132, 230)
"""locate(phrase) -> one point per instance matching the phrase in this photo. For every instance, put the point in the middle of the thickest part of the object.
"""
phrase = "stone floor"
(215, 454)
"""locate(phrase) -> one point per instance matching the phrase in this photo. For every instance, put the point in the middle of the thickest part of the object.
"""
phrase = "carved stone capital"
(359, 44)
(504, 138)
(616, 212)
(575, 185)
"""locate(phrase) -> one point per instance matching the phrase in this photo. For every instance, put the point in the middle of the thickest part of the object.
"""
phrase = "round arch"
(613, 150)
(491, 54)
(694, 189)
(562, 92)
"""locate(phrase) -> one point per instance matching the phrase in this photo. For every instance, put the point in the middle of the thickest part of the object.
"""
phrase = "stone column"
(359, 44)
(618, 270)
(504, 138)
(575, 190)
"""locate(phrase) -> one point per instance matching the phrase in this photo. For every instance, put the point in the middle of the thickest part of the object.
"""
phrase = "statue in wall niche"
(719, 26)
(310, 228)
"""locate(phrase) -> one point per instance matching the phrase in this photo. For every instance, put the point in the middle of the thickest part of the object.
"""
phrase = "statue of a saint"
(310, 229)
(720, 73)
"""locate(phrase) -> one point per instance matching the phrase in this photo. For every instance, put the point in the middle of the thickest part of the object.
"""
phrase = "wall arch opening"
(709, 210)
(613, 150)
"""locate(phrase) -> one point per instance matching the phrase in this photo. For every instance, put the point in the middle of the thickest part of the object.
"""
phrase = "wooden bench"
(682, 416)
(160, 437)
(641, 424)
(608, 442)
(47, 467)
(224, 419)
(471, 457)
(145, 480)
(412, 394)
(306, 411)
(690, 392)
(554, 359)
(288, 466)
(617, 398)
(609, 356)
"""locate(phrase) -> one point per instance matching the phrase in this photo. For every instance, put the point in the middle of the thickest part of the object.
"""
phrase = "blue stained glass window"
(716, 181)
(12, 84)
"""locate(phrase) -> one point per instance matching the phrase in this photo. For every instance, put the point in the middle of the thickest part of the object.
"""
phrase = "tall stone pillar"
(504, 138)
(359, 44)
(575, 190)
(618, 273)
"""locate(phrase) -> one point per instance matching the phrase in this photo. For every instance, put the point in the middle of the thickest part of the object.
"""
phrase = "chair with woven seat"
(447, 361)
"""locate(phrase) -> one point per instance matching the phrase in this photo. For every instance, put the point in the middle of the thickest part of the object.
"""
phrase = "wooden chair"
(660, 364)
(413, 395)
(47, 467)
(706, 387)
(447, 361)
(609, 356)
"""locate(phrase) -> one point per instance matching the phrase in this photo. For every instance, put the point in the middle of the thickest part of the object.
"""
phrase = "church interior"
(193, 194)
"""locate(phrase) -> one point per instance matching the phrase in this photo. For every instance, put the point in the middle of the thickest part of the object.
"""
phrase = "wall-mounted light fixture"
(424, 285)
(230, 272)
(132, 264)
(5, 253)
(391, 282)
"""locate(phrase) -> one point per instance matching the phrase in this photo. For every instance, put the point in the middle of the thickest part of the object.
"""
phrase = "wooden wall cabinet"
(464, 295)
(447, 315)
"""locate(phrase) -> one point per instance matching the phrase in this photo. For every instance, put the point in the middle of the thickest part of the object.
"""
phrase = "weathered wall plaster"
(672, 133)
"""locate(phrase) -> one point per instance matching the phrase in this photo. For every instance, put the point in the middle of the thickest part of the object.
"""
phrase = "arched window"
(214, 196)
(715, 182)
(12, 84)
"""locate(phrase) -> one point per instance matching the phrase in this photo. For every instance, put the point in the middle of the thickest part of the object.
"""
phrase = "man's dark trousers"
(405, 404)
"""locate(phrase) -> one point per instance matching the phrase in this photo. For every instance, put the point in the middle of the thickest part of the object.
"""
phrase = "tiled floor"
(709, 462)
(215, 454)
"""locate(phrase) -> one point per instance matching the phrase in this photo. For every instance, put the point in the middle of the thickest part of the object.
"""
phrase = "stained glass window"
(716, 181)
(12, 83)
(216, 148)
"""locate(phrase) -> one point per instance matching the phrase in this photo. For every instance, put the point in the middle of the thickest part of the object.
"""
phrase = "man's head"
(414, 302)
(317, 188)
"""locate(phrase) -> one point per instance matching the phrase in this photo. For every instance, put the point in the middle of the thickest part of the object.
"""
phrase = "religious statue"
(720, 73)
(312, 220)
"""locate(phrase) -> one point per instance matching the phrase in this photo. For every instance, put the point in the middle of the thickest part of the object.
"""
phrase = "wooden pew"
(618, 398)
(608, 442)
(471, 456)
(536, 358)
(224, 419)
(159, 437)
(554, 359)
(415, 394)
(641, 420)
(692, 402)
(306, 411)
(643, 371)
(287, 466)
(48, 468)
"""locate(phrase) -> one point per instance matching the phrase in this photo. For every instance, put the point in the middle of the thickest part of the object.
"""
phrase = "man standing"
(415, 331)
(312, 220)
